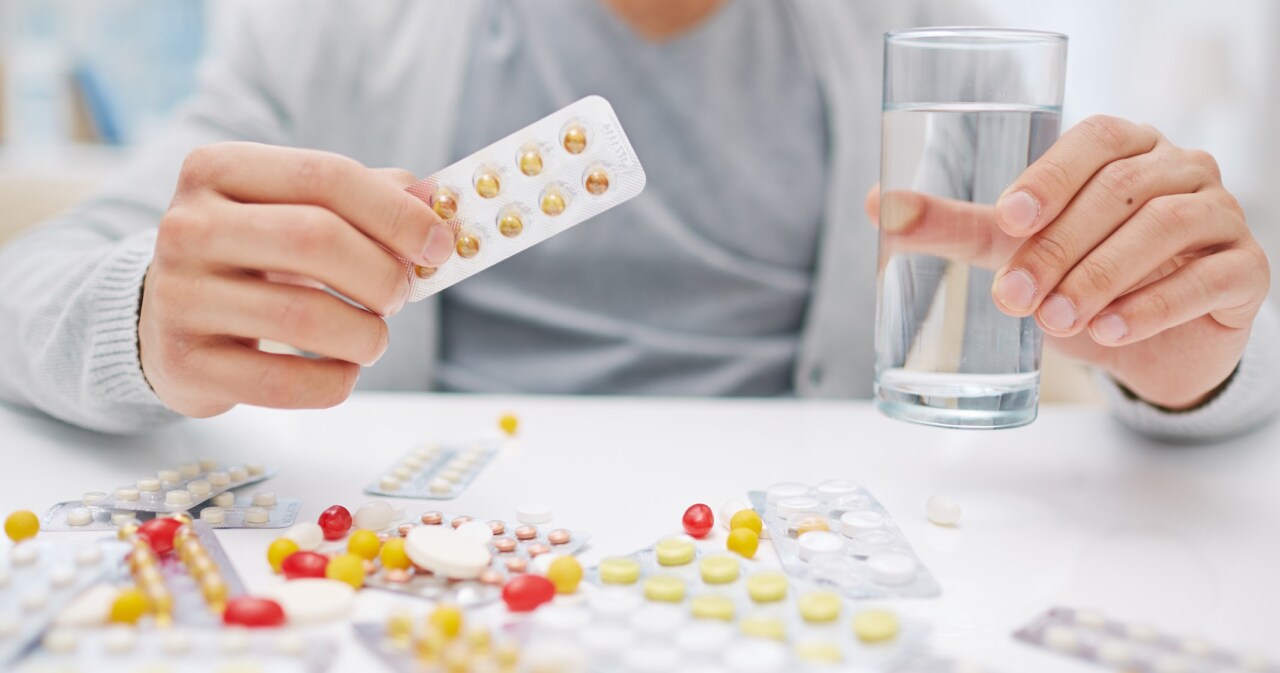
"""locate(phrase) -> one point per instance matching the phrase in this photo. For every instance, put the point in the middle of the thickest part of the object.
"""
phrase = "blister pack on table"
(436, 470)
(1092, 636)
(124, 649)
(537, 182)
(259, 510)
(171, 490)
(837, 533)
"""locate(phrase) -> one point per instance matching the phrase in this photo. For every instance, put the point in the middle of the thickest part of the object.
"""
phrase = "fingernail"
(1015, 290)
(439, 245)
(1057, 313)
(1019, 211)
(1109, 328)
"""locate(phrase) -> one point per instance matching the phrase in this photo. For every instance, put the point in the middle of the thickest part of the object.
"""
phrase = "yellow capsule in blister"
(553, 201)
(445, 203)
(487, 183)
(530, 160)
(424, 272)
(468, 244)
(575, 138)
(510, 224)
(597, 180)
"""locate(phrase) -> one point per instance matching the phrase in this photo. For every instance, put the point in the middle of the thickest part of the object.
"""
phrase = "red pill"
(698, 520)
(335, 522)
(526, 592)
(304, 564)
(253, 612)
(159, 533)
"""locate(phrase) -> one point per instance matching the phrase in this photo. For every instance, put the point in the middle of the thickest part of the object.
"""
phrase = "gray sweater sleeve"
(73, 286)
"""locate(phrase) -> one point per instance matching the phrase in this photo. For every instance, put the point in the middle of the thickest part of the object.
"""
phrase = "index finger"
(377, 206)
(1043, 191)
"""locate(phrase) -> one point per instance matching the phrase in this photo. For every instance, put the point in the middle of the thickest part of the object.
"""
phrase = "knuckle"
(1122, 178)
(313, 232)
(183, 230)
(1206, 163)
(321, 171)
(1157, 305)
(202, 166)
(277, 388)
(1053, 176)
(297, 315)
(1099, 274)
(1048, 252)
(1109, 132)
(1175, 213)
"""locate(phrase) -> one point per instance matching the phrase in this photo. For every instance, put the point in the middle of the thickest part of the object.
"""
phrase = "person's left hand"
(1127, 249)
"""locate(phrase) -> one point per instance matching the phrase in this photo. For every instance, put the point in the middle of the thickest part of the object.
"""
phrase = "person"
(744, 269)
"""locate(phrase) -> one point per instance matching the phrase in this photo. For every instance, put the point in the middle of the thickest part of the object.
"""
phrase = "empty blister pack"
(261, 509)
(38, 578)
(126, 649)
(181, 488)
(1092, 636)
(837, 533)
(535, 183)
(436, 470)
(466, 560)
(672, 605)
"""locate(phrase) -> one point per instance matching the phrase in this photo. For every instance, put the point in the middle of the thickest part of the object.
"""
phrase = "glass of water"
(966, 110)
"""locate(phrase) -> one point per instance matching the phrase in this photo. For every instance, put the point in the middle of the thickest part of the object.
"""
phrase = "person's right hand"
(253, 235)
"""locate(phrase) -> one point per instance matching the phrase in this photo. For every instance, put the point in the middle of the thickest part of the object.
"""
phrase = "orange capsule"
(510, 224)
(575, 138)
(597, 181)
(424, 272)
(530, 160)
(445, 203)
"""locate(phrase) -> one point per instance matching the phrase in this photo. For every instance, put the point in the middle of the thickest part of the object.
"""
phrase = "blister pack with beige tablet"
(533, 184)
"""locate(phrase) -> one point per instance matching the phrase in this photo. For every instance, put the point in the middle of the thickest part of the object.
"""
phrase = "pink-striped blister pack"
(537, 182)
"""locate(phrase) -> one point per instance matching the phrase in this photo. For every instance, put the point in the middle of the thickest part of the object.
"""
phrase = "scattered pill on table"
(942, 510)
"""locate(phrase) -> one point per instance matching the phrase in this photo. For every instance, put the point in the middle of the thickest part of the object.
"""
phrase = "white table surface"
(1073, 510)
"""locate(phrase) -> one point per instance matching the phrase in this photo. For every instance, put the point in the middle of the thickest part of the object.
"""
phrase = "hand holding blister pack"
(537, 182)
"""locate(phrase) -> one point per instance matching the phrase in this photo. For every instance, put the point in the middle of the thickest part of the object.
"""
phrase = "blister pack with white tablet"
(437, 470)
(537, 182)
(261, 509)
(1092, 636)
(127, 649)
(837, 533)
(177, 489)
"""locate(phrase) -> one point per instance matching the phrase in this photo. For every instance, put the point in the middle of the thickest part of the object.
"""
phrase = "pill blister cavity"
(553, 200)
(529, 159)
(424, 272)
(510, 223)
(445, 203)
(487, 182)
(469, 243)
(596, 180)
(574, 138)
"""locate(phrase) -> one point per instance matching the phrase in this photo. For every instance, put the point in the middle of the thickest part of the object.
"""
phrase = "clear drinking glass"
(966, 110)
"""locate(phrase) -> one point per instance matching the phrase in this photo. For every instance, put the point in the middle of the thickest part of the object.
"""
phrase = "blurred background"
(84, 82)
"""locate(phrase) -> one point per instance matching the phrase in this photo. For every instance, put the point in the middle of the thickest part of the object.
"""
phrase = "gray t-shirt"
(699, 285)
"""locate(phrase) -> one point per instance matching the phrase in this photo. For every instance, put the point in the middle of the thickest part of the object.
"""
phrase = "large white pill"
(126, 494)
(789, 506)
(852, 523)
(942, 510)
(479, 531)
(237, 473)
(819, 542)
(218, 479)
(23, 553)
(375, 515)
(533, 513)
(214, 516)
(389, 482)
(833, 489)
(312, 600)
(148, 484)
(306, 534)
(786, 489)
(189, 470)
(79, 516)
(729, 508)
(892, 569)
(257, 515)
(169, 476)
(756, 656)
(177, 498)
(92, 497)
(225, 500)
(88, 555)
(264, 499)
(200, 488)
(446, 552)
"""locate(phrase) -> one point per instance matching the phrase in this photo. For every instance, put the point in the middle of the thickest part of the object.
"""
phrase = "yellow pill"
(819, 606)
(530, 160)
(510, 224)
(747, 518)
(675, 551)
(565, 573)
(875, 626)
(446, 620)
(744, 542)
(488, 184)
(819, 652)
(347, 568)
(619, 570)
(393, 556)
(719, 569)
(509, 423)
(365, 544)
(760, 626)
(128, 607)
(445, 203)
(400, 624)
(575, 138)
(215, 590)
(713, 606)
(596, 181)
(767, 587)
(468, 244)
(21, 525)
(553, 202)
(278, 550)
(667, 588)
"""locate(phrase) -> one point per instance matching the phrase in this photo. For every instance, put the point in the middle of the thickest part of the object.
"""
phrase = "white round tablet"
(658, 619)
(200, 488)
(175, 642)
(704, 637)
(61, 576)
(257, 515)
(148, 484)
(1090, 619)
(786, 489)
(23, 553)
(788, 506)
(440, 485)
(446, 552)
(122, 517)
(426, 450)
(306, 534)
(651, 659)
(605, 639)
(413, 462)
(401, 472)
(942, 510)
(237, 473)
(533, 513)
(255, 469)
(59, 640)
(264, 499)
(561, 618)
(177, 498)
(729, 508)
(852, 523)
(1171, 664)
(1114, 652)
(225, 500)
(613, 602)
(35, 599)
(4, 577)
(389, 482)
(189, 470)
(375, 515)
(452, 474)
(218, 479)
(92, 496)
(478, 531)
(892, 569)
(88, 555)
(311, 600)
(553, 654)
(834, 489)
(79, 516)
(126, 494)
(462, 463)
(213, 515)
(9, 626)
(207, 464)
(756, 656)
(818, 542)
(169, 476)
(1061, 638)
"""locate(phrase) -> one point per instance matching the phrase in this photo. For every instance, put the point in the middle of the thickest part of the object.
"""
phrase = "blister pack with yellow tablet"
(537, 182)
